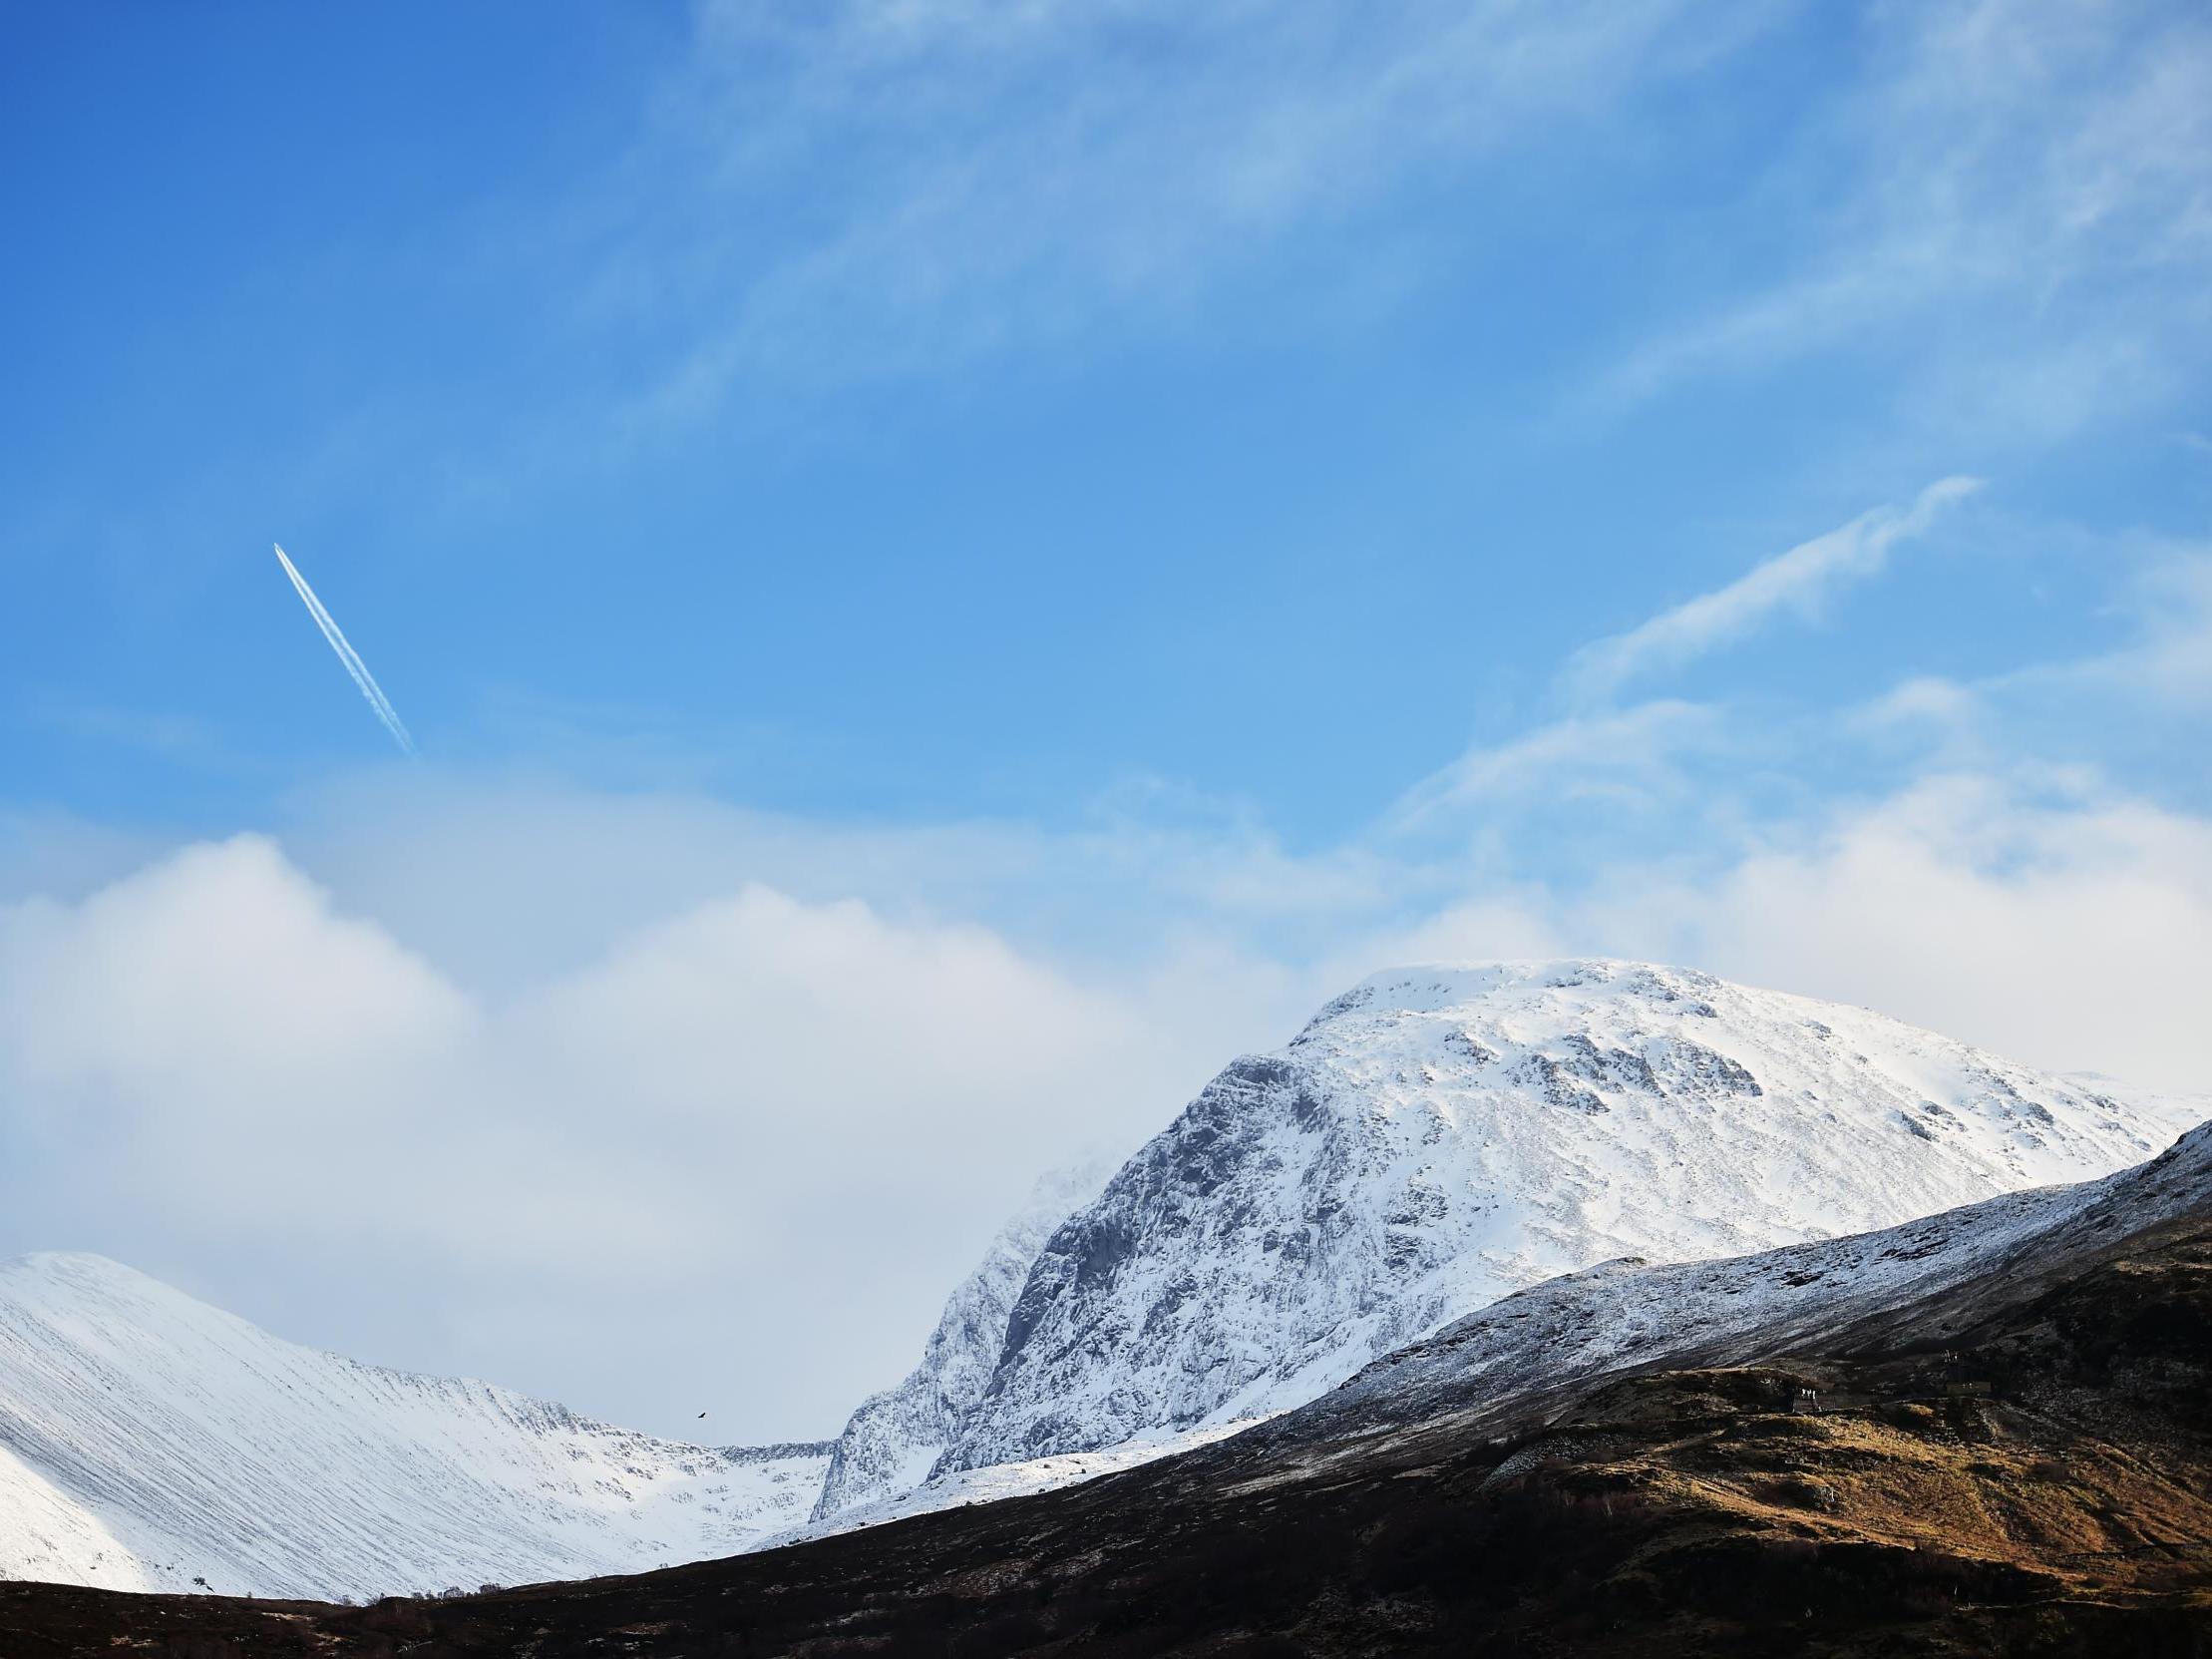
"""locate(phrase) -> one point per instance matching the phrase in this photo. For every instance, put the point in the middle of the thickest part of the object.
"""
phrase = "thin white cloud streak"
(359, 669)
(2161, 678)
(1613, 757)
(2019, 195)
(1797, 581)
(988, 177)
(2172, 658)
(1636, 755)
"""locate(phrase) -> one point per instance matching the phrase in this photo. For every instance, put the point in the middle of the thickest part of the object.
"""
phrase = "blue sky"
(1172, 510)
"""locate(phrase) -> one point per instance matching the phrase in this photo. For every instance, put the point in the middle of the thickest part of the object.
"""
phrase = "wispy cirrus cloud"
(2014, 203)
(1795, 583)
(986, 177)
(1650, 752)
(1611, 756)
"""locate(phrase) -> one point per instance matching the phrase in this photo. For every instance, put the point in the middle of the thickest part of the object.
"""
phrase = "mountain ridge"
(155, 1441)
(895, 1438)
(2015, 1457)
(1440, 1135)
(1432, 1139)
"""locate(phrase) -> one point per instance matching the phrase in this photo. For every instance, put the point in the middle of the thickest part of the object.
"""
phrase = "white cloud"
(1798, 583)
(215, 966)
(2159, 680)
(731, 1149)
(46, 852)
(2043, 916)
(1925, 699)
(1951, 871)
(2171, 659)
(755, 1140)
(2071, 934)
(1615, 756)
(2048, 919)
(984, 177)
(2021, 183)
(1510, 923)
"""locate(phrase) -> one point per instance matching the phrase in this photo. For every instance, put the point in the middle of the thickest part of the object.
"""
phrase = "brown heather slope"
(1677, 1511)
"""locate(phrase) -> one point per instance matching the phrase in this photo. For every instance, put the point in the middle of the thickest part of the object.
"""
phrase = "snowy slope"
(894, 1439)
(1000, 1481)
(147, 1440)
(1440, 1136)
(1631, 1314)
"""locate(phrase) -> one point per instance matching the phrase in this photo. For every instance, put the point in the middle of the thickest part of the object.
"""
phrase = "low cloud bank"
(731, 1159)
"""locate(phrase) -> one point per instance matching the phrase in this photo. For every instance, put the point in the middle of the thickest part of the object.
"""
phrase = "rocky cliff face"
(1438, 1137)
(895, 1438)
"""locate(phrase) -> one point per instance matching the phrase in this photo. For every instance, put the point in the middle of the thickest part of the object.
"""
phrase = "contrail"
(349, 656)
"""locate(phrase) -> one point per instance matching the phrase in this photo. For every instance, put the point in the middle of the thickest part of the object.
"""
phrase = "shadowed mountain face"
(2016, 1457)
(890, 1442)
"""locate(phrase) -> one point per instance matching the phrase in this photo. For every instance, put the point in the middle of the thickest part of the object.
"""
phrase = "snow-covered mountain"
(894, 1439)
(1435, 1139)
(1836, 1293)
(1438, 1137)
(1919, 1284)
(968, 1486)
(149, 1441)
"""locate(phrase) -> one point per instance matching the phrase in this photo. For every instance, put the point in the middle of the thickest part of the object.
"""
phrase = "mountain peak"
(1442, 1134)
(1435, 986)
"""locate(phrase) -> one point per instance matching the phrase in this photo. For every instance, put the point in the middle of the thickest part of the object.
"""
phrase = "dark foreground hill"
(2018, 1461)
